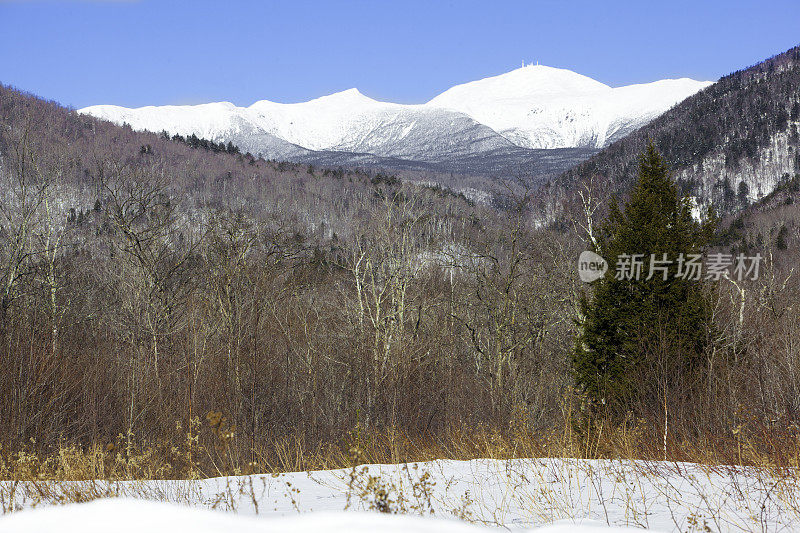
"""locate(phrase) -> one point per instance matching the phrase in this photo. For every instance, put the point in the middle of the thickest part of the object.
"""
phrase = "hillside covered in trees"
(730, 144)
(164, 282)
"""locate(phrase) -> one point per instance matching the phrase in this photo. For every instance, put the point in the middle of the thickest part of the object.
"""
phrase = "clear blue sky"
(144, 52)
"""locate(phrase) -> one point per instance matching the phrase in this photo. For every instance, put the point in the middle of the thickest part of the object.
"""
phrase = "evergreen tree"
(781, 242)
(634, 331)
(743, 192)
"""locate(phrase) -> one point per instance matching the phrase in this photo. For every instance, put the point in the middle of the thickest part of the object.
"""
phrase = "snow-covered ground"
(441, 496)
(133, 516)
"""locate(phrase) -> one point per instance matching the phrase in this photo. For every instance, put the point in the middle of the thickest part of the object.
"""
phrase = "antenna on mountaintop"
(523, 63)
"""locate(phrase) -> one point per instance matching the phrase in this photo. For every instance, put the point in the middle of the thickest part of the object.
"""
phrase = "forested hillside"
(146, 282)
(730, 144)
(217, 312)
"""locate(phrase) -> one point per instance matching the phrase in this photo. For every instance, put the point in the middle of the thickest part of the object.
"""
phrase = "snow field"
(519, 494)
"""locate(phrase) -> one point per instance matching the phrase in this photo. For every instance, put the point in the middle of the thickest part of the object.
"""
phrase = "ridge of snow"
(531, 107)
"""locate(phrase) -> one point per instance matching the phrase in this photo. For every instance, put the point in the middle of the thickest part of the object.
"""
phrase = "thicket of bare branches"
(147, 292)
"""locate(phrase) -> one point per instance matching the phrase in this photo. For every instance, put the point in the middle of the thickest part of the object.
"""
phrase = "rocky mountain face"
(505, 125)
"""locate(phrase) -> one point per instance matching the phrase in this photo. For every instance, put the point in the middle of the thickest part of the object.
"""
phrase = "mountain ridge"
(538, 108)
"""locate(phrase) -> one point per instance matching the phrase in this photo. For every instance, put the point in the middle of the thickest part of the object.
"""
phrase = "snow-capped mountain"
(544, 107)
(502, 117)
(343, 122)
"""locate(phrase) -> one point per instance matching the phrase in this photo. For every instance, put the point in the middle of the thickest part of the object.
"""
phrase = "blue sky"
(144, 52)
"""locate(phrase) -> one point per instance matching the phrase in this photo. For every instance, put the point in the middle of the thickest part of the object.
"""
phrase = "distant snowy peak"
(324, 123)
(544, 107)
(204, 120)
(528, 83)
(530, 107)
(347, 97)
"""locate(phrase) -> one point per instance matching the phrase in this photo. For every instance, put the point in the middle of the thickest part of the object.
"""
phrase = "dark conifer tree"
(628, 323)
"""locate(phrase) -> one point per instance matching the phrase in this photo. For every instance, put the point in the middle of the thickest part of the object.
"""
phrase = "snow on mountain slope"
(216, 121)
(346, 121)
(320, 124)
(544, 107)
(351, 122)
(531, 107)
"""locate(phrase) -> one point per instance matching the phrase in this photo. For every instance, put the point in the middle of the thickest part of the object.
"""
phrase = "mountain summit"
(544, 107)
(494, 122)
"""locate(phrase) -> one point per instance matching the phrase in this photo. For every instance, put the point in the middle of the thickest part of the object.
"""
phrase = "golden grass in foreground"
(218, 453)
(720, 494)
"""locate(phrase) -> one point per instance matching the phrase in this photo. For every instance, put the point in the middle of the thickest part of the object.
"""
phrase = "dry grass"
(218, 454)
(628, 489)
